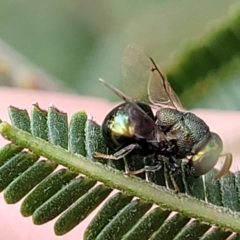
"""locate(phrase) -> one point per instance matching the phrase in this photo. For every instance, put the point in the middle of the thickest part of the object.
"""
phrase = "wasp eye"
(215, 142)
(211, 144)
(206, 158)
(204, 164)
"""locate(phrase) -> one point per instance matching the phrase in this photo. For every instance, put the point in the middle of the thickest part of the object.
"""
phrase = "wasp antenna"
(226, 166)
(101, 80)
(116, 91)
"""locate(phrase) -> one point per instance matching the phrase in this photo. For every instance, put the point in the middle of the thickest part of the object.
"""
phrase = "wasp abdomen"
(125, 125)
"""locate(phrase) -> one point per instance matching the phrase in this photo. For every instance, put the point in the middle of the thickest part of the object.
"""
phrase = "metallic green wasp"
(171, 135)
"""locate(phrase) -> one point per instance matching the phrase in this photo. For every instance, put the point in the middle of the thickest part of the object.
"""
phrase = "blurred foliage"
(79, 41)
(219, 90)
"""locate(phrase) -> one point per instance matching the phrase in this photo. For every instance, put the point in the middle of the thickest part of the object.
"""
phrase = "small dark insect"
(172, 135)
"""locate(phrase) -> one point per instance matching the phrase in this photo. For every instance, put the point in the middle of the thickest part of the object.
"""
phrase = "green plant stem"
(131, 185)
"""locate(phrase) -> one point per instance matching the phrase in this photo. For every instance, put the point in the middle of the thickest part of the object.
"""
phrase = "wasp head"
(207, 156)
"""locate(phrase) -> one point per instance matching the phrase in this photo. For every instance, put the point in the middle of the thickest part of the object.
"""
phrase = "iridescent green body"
(173, 137)
(186, 136)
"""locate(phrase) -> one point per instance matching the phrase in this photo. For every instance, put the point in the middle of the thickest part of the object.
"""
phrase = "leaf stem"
(131, 185)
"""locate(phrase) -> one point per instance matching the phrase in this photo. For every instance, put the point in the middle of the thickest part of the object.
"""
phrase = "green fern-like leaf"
(67, 190)
(206, 208)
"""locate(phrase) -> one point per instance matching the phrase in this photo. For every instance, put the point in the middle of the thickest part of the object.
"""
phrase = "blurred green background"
(76, 42)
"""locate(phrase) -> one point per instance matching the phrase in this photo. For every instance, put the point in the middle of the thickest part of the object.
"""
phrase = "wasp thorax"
(207, 156)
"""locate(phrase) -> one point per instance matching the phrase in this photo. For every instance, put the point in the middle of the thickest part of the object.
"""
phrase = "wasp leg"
(176, 188)
(129, 172)
(226, 166)
(133, 173)
(117, 155)
(153, 168)
(145, 169)
(174, 170)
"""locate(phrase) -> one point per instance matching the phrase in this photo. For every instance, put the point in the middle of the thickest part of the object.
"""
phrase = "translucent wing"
(143, 80)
